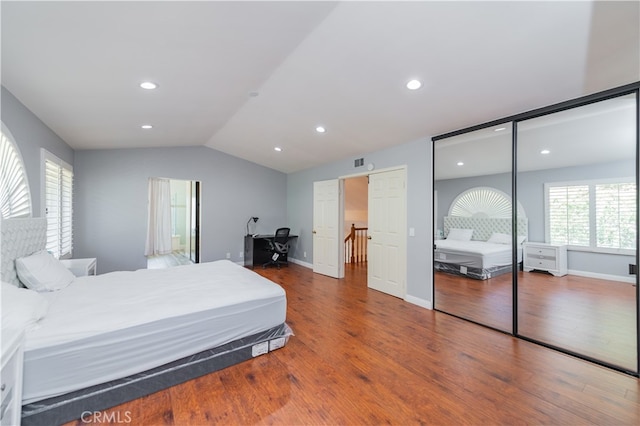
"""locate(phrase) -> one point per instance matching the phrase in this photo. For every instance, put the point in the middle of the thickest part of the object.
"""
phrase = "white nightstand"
(11, 376)
(81, 267)
(545, 257)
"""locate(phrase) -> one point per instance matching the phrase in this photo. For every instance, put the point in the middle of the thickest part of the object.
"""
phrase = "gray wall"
(531, 197)
(31, 134)
(417, 157)
(111, 201)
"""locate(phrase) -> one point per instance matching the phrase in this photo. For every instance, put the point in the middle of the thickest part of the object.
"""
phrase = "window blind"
(59, 207)
(569, 215)
(593, 214)
(15, 199)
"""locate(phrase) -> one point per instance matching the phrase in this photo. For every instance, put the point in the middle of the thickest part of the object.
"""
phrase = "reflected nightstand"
(81, 267)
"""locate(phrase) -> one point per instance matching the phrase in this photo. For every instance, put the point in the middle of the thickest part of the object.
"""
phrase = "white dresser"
(545, 257)
(11, 376)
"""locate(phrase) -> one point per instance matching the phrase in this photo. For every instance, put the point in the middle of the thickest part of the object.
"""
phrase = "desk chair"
(278, 246)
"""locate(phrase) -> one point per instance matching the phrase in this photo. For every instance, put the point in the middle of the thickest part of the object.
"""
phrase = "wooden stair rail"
(355, 245)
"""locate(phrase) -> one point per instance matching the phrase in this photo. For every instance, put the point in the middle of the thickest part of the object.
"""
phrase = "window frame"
(591, 183)
(44, 157)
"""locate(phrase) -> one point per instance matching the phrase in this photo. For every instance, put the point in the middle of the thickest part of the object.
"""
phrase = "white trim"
(301, 263)
(419, 302)
(367, 173)
(606, 277)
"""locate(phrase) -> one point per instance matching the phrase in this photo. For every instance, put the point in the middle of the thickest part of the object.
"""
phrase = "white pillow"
(21, 307)
(43, 272)
(460, 234)
(499, 238)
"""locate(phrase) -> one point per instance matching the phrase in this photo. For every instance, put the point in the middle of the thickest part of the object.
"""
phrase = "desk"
(256, 250)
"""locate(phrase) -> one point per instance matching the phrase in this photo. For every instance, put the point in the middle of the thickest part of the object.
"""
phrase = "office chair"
(278, 246)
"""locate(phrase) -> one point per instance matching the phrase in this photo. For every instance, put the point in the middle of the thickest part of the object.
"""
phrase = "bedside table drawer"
(542, 263)
(541, 252)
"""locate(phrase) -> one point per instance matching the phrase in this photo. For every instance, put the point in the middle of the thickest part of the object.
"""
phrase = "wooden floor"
(589, 316)
(361, 357)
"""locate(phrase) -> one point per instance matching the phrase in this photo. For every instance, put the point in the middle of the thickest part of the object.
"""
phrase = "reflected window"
(593, 214)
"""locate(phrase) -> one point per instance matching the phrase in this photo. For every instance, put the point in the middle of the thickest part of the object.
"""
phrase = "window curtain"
(159, 224)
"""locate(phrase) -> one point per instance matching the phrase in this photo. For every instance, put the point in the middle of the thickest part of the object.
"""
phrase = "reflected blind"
(593, 214)
(616, 215)
(59, 207)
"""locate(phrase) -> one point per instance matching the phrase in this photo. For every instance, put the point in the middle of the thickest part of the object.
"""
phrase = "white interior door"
(387, 240)
(327, 217)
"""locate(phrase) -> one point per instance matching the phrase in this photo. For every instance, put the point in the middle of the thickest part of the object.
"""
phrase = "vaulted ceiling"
(246, 77)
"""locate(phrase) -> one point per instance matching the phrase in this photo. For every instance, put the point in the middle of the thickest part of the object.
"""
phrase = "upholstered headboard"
(483, 227)
(19, 237)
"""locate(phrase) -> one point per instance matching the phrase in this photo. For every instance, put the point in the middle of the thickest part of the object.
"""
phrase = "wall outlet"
(304, 254)
(228, 255)
(241, 254)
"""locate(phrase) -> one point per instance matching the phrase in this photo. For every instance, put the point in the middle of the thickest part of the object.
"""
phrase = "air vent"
(358, 162)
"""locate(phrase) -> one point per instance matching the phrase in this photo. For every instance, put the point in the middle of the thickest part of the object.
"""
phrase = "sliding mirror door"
(576, 180)
(473, 226)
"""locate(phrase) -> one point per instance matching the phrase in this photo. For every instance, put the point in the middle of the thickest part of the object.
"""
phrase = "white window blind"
(58, 195)
(15, 199)
(592, 214)
(569, 215)
(616, 215)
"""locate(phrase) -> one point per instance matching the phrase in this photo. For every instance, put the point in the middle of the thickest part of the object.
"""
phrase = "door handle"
(313, 232)
(368, 237)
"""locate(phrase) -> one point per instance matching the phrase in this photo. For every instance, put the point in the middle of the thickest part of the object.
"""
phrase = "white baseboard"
(417, 301)
(607, 277)
(301, 263)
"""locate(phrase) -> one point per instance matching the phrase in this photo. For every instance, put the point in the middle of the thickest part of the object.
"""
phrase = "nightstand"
(545, 257)
(11, 376)
(81, 267)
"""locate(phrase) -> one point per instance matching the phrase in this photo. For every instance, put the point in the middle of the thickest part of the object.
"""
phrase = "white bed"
(114, 337)
(478, 247)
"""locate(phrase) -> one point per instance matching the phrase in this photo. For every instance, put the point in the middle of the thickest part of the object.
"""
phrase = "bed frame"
(21, 237)
(483, 228)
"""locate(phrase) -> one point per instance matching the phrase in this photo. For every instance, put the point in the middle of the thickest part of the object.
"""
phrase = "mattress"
(114, 325)
(474, 254)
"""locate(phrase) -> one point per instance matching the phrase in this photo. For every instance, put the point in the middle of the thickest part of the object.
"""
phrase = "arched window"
(483, 202)
(15, 198)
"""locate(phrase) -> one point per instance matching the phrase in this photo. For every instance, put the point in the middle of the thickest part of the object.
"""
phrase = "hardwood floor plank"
(359, 356)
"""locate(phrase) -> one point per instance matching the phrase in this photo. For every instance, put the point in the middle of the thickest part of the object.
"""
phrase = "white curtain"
(159, 225)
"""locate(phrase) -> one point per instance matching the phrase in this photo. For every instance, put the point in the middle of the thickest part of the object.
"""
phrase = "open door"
(327, 217)
(387, 240)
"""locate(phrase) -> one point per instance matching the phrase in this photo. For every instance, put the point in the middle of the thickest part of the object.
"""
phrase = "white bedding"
(113, 325)
(477, 254)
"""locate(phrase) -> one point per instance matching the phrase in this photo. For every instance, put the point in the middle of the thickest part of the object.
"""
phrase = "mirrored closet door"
(576, 179)
(473, 225)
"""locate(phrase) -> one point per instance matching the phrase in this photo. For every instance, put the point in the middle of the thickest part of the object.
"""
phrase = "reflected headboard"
(19, 238)
(483, 227)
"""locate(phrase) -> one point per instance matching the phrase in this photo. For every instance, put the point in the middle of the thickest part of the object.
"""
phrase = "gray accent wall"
(111, 196)
(531, 197)
(416, 156)
(31, 134)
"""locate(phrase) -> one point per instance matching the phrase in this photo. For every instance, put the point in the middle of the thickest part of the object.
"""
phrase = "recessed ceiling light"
(545, 151)
(148, 85)
(147, 126)
(499, 129)
(320, 129)
(277, 148)
(414, 84)
(460, 163)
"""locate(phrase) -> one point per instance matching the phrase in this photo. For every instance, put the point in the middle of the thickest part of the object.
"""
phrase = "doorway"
(385, 240)
(184, 226)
